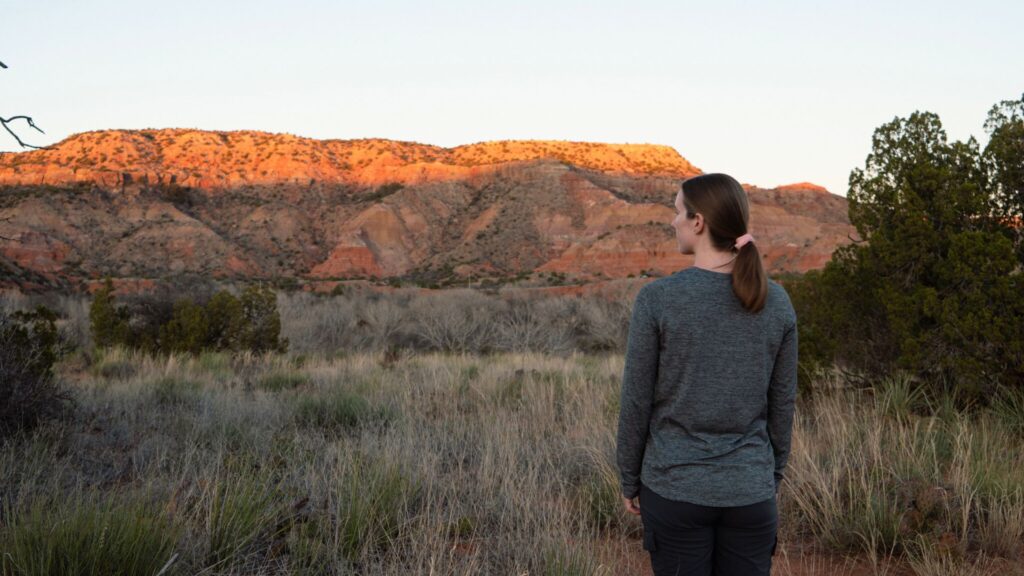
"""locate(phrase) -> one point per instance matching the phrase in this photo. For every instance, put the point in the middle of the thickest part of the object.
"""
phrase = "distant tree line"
(224, 322)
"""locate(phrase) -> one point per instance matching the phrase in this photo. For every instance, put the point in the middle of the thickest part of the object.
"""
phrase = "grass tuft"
(87, 534)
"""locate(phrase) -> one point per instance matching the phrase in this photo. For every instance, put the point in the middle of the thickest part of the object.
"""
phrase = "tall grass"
(339, 409)
(241, 516)
(902, 474)
(370, 505)
(459, 464)
(87, 533)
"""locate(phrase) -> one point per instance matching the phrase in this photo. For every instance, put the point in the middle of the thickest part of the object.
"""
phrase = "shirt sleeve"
(638, 380)
(781, 401)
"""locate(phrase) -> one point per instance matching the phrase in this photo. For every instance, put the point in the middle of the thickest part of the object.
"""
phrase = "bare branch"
(28, 119)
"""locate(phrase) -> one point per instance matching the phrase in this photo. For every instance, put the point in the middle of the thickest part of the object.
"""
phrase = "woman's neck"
(714, 261)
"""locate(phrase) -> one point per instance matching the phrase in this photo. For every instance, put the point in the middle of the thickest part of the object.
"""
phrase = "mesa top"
(708, 391)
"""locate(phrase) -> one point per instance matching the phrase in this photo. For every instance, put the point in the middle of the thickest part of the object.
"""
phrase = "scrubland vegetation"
(349, 455)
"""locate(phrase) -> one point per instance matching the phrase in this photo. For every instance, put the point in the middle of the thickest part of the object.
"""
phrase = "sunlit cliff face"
(216, 159)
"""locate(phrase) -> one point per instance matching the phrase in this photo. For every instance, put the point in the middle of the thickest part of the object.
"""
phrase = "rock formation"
(145, 204)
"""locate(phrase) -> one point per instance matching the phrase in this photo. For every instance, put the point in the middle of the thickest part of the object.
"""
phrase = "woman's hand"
(632, 504)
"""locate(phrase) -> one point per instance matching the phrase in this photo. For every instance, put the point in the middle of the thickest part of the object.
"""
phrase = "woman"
(708, 395)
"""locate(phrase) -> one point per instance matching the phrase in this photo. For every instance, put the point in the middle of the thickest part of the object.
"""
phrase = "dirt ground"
(799, 559)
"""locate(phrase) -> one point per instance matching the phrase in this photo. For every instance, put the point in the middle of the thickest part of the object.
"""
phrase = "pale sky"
(769, 92)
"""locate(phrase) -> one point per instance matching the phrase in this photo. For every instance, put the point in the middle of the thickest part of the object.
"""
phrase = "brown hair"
(723, 203)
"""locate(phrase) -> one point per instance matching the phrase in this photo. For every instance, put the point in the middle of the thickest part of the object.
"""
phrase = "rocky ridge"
(146, 204)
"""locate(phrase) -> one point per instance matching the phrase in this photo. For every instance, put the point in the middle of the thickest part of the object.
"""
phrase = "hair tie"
(743, 240)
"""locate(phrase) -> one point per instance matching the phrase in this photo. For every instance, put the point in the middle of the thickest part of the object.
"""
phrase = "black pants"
(687, 539)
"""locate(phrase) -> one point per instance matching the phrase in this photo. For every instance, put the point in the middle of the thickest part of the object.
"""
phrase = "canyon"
(141, 205)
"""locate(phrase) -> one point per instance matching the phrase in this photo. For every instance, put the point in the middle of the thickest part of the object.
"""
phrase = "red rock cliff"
(147, 203)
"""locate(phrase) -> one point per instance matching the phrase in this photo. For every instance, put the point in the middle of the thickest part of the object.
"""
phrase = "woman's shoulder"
(777, 288)
(778, 299)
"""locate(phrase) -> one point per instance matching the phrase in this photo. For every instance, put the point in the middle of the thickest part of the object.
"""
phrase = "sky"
(769, 92)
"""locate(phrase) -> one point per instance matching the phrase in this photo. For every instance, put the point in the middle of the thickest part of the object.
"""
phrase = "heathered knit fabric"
(708, 391)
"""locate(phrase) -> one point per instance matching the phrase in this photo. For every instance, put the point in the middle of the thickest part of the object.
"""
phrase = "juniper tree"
(934, 287)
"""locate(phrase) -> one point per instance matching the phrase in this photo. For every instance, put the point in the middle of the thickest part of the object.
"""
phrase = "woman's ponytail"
(749, 281)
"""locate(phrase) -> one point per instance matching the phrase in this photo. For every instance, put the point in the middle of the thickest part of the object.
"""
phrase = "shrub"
(459, 320)
(188, 329)
(263, 322)
(29, 392)
(226, 321)
(109, 322)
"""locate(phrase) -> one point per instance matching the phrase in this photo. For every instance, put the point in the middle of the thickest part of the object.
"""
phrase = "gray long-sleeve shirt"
(708, 391)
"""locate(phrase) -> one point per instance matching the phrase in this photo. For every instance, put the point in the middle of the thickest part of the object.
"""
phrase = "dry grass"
(465, 464)
(880, 478)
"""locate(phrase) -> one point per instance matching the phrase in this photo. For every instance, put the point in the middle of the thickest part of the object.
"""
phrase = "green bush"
(29, 391)
(224, 323)
(109, 323)
(262, 330)
(188, 330)
(934, 286)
